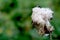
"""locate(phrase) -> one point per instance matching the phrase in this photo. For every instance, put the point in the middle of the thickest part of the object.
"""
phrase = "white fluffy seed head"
(42, 16)
(38, 14)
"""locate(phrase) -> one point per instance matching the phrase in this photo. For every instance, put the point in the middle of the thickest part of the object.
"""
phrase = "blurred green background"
(16, 23)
